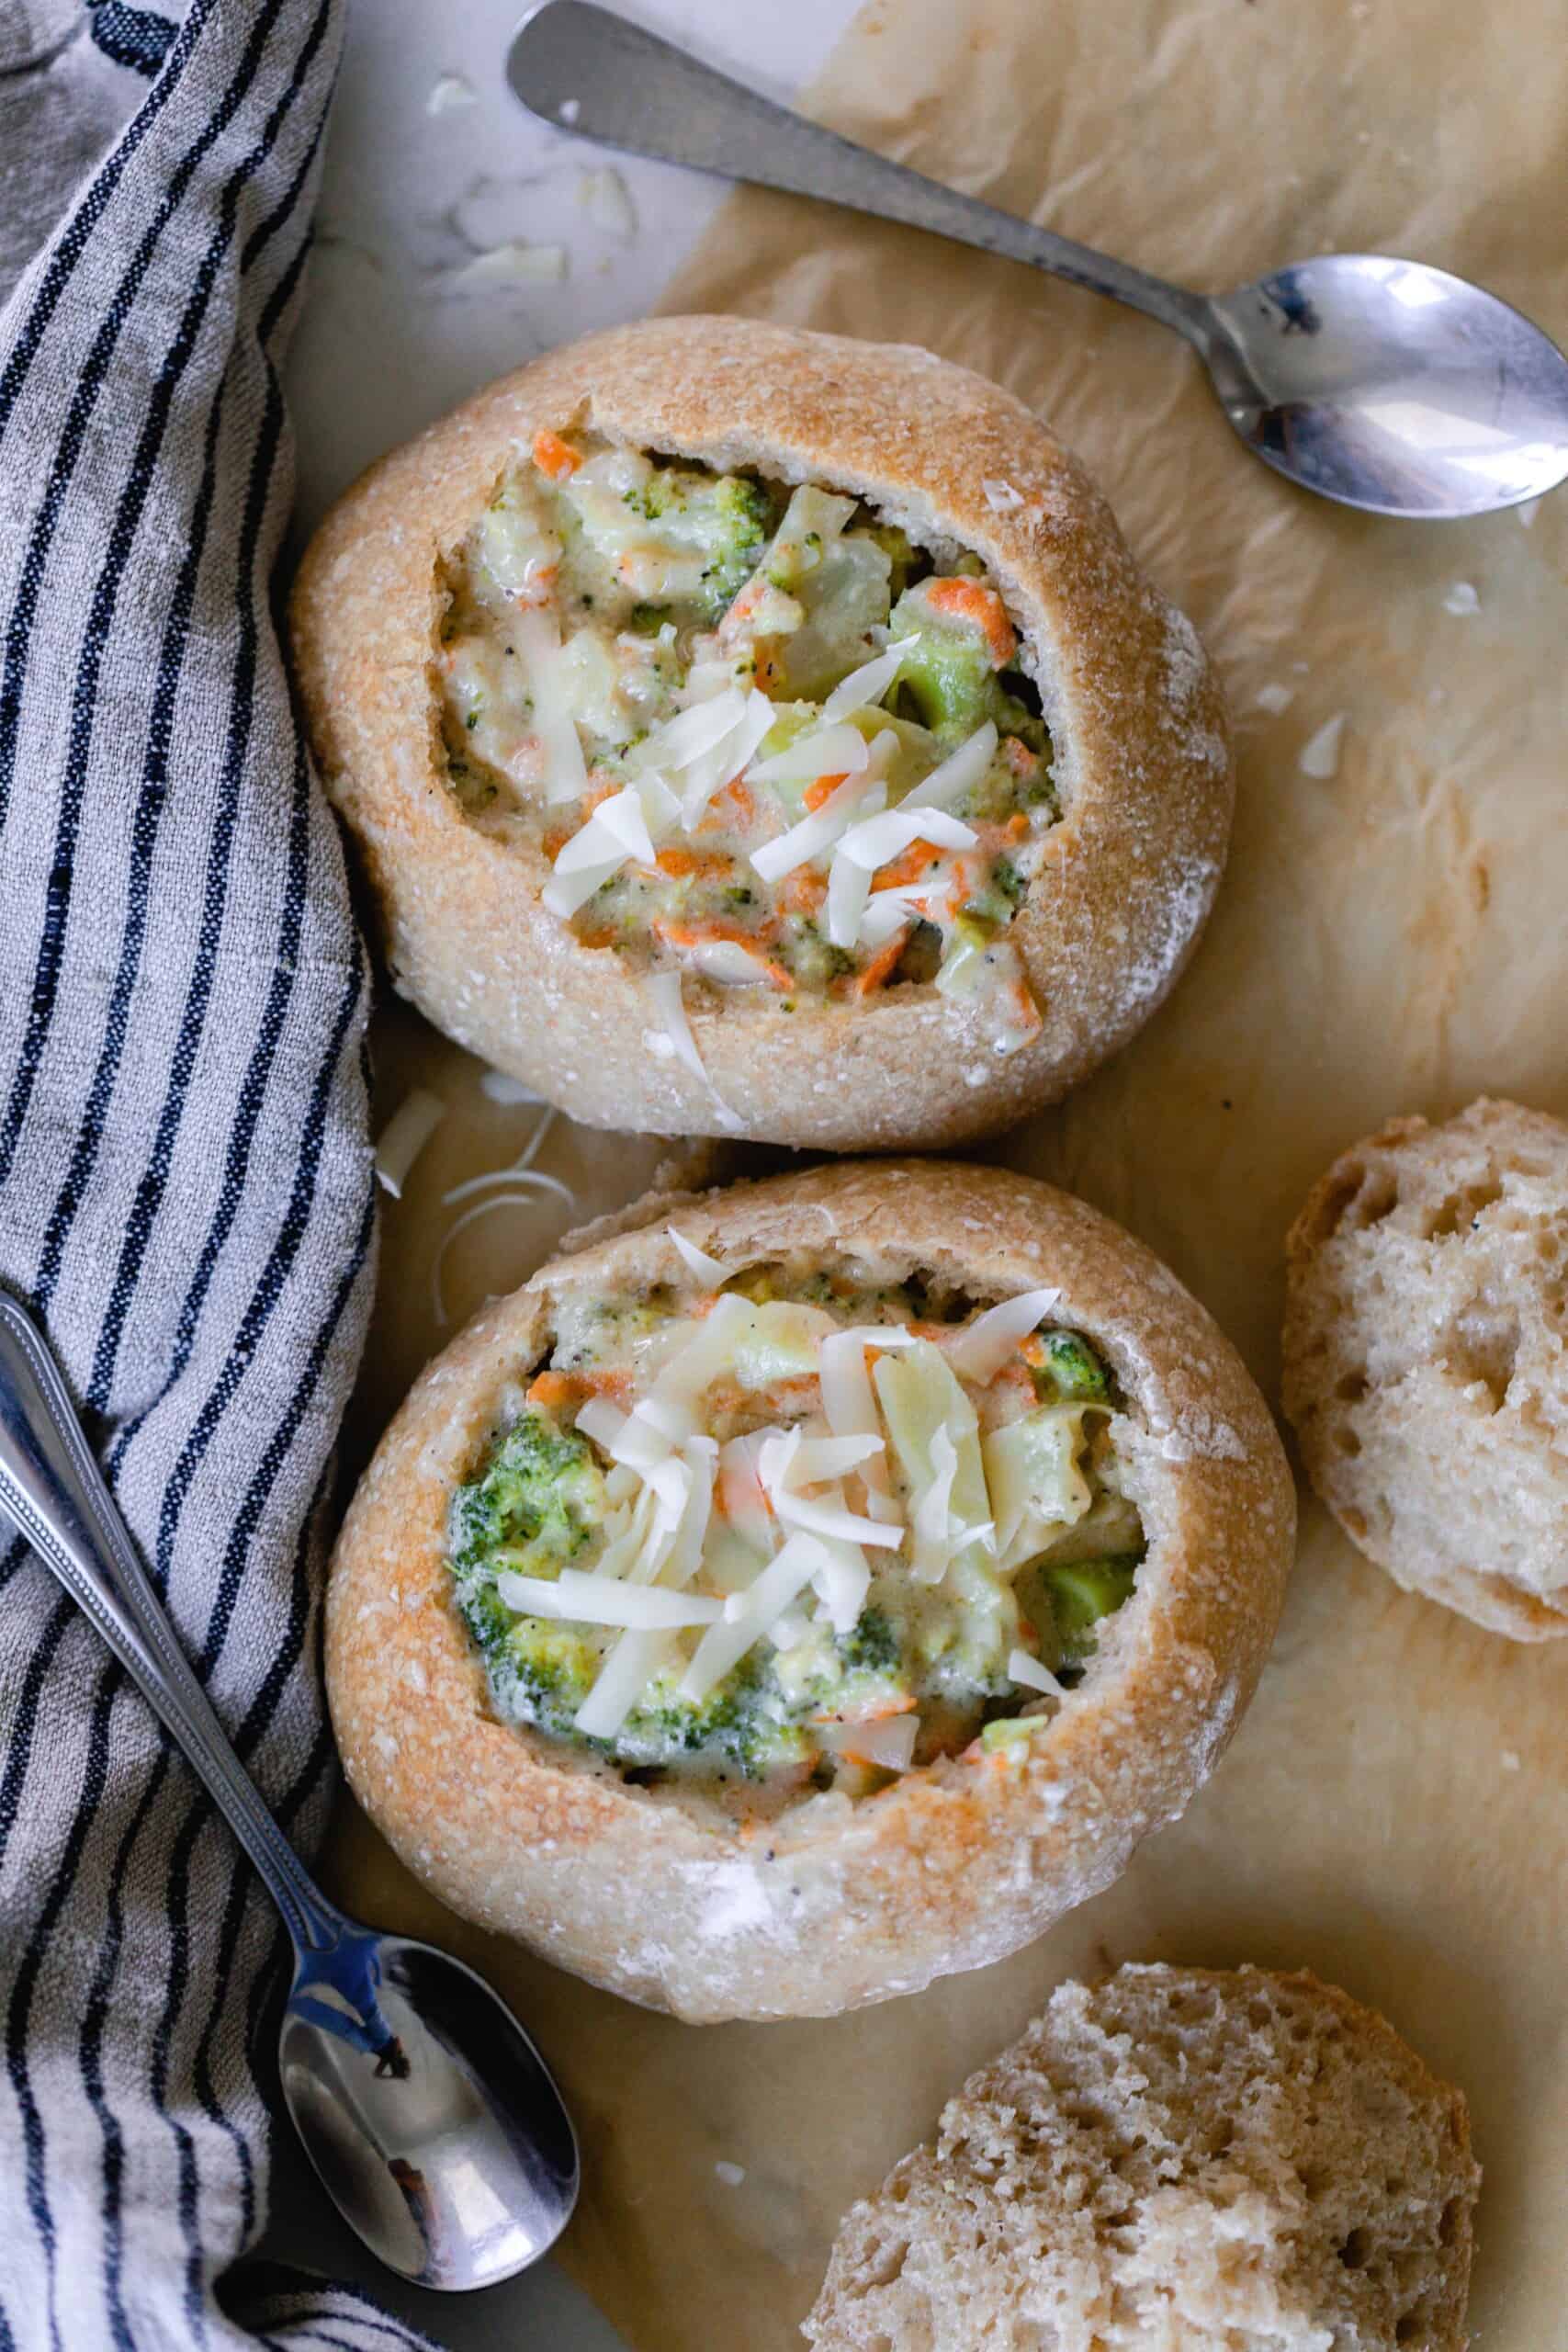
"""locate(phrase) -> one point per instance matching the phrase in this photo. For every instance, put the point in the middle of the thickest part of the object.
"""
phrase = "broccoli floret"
(949, 679)
(1071, 1371)
(871, 1646)
(739, 509)
(538, 1500)
(1084, 1592)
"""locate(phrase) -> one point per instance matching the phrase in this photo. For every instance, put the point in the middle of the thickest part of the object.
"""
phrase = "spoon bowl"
(1391, 385)
(409, 2083)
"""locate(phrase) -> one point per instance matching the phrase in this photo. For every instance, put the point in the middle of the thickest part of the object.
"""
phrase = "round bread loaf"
(1426, 1358)
(1174, 2160)
(658, 1892)
(1139, 752)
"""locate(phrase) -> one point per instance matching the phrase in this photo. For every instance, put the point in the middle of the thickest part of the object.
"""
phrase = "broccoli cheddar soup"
(796, 1530)
(763, 739)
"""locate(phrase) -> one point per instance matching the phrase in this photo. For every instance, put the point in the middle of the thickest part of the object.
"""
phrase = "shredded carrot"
(882, 966)
(1018, 755)
(899, 871)
(877, 1714)
(733, 805)
(1029, 1011)
(555, 1390)
(682, 863)
(822, 789)
(555, 841)
(958, 886)
(555, 457)
(802, 892)
(969, 600)
(595, 794)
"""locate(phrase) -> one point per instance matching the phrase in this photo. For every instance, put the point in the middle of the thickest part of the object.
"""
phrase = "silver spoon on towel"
(423, 2106)
(1385, 384)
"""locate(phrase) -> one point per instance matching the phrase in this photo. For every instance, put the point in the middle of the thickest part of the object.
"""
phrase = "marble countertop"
(433, 165)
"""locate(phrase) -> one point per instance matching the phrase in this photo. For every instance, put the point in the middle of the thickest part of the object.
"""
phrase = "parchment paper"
(1391, 937)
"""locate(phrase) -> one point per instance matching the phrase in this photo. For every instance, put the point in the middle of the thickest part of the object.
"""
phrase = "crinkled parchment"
(1392, 936)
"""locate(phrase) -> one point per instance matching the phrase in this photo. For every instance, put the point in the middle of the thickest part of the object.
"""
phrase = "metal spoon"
(1385, 384)
(426, 2109)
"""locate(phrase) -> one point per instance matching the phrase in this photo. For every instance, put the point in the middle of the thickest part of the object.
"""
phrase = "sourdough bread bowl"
(1021, 1524)
(1177, 2160)
(516, 638)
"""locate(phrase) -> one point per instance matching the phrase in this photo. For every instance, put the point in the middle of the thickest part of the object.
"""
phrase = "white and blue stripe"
(184, 1183)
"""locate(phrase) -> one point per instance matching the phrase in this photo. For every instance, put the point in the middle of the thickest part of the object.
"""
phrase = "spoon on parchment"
(423, 2106)
(1385, 384)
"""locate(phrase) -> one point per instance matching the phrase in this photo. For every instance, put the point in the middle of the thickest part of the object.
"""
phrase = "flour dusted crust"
(1426, 1358)
(1142, 759)
(1178, 2160)
(833, 1904)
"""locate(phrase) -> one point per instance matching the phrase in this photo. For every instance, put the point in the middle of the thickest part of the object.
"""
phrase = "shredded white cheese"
(673, 1026)
(583, 1600)
(1030, 1675)
(957, 772)
(404, 1136)
(979, 1350)
(449, 92)
(706, 1269)
(817, 831)
(838, 750)
(725, 1644)
(888, 1742)
(1320, 756)
(864, 688)
(511, 264)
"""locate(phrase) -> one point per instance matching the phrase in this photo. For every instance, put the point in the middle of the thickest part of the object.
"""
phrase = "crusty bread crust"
(831, 1904)
(1425, 1358)
(1142, 754)
(1180, 2157)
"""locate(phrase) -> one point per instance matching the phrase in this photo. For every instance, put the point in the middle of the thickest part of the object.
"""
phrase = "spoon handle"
(573, 63)
(52, 1488)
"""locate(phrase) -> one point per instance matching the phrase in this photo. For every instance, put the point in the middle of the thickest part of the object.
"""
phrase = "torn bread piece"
(1426, 1358)
(1177, 2160)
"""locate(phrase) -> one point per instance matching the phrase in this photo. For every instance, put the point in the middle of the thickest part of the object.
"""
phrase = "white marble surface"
(388, 341)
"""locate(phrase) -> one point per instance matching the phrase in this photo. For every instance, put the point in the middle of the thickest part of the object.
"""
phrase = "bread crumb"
(1510, 1759)
(1274, 698)
(1462, 598)
(1527, 511)
(1320, 754)
(732, 2175)
(1001, 497)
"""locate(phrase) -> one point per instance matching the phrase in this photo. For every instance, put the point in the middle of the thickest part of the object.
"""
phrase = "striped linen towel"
(185, 1181)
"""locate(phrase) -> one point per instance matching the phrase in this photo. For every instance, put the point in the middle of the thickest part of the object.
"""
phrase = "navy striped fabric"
(186, 1195)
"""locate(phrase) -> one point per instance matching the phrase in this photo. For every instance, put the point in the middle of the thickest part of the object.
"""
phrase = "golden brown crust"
(1142, 753)
(1424, 1351)
(833, 1905)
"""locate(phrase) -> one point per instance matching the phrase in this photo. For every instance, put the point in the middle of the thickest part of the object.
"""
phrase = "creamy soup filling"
(808, 1529)
(765, 739)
